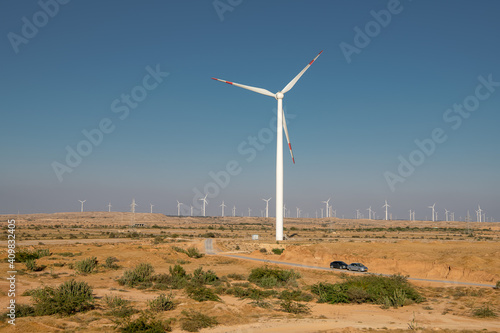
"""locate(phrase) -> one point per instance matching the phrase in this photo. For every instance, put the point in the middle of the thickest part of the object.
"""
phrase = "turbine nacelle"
(279, 95)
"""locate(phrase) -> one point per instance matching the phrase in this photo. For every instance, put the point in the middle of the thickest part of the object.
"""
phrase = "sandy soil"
(446, 308)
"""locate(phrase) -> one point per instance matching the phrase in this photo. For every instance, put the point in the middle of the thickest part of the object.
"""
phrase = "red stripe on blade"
(228, 82)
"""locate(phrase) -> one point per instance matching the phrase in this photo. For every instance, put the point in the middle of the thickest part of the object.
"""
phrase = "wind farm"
(139, 194)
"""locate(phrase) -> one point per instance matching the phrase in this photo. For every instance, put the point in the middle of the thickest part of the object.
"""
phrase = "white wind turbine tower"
(179, 204)
(357, 213)
(327, 212)
(446, 213)
(205, 201)
(267, 206)
(369, 212)
(479, 214)
(132, 206)
(321, 212)
(81, 210)
(234, 211)
(249, 211)
(432, 207)
(223, 206)
(191, 210)
(280, 126)
(151, 205)
(298, 212)
(386, 211)
(109, 207)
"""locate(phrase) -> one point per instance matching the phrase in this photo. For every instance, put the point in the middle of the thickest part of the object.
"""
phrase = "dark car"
(356, 266)
(338, 265)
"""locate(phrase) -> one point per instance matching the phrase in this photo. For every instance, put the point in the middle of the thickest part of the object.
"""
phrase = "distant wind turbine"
(446, 213)
(432, 207)
(369, 212)
(281, 125)
(479, 214)
(223, 206)
(151, 205)
(109, 207)
(179, 204)
(205, 201)
(249, 211)
(327, 212)
(321, 212)
(191, 210)
(267, 206)
(81, 210)
(386, 211)
(234, 211)
(132, 206)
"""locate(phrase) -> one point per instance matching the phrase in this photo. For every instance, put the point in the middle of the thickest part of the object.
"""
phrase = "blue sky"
(352, 117)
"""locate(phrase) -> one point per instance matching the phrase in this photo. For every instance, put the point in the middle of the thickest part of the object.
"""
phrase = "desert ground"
(454, 267)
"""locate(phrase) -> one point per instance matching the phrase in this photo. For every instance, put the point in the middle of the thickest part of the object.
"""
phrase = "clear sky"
(135, 77)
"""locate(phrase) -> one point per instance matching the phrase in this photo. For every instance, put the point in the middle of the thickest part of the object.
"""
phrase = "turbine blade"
(254, 89)
(287, 137)
(295, 79)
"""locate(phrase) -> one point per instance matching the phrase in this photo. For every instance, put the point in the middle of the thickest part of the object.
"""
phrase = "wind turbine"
(109, 207)
(249, 211)
(179, 204)
(369, 212)
(446, 213)
(386, 206)
(410, 215)
(327, 212)
(280, 126)
(191, 210)
(151, 208)
(479, 213)
(357, 213)
(321, 212)
(432, 207)
(222, 205)
(205, 201)
(132, 206)
(82, 204)
(234, 211)
(267, 206)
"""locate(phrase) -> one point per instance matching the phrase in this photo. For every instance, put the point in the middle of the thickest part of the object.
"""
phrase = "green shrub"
(393, 290)
(330, 293)
(235, 276)
(294, 307)
(146, 324)
(24, 310)
(278, 251)
(25, 255)
(268, 277)
(484, 312)
(140, 275)
(68, 298)
(497, 286)
(32, 266)
(161, 303)
(110, 263)
(193, 252)
(263, 250)
(118, 307)
(202, 278)
(295, 295)
(178, 249)
(193, 321)
(86, 266)
(201, 293)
